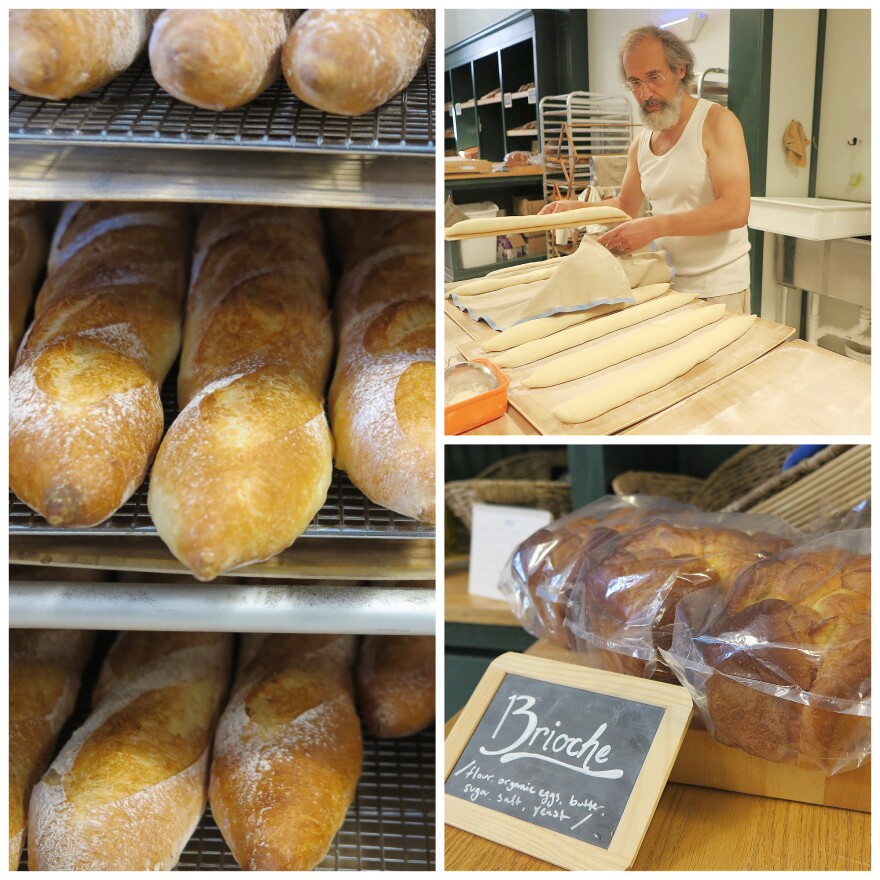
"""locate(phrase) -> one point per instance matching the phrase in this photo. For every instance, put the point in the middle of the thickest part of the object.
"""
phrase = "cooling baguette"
(351, 61)
(248, 462)
(60, 53)
(28, 245)
(85, 415)
(219, 58)
(44, 676)
(395, 684)
(381, 399)
(287, 754)
(128, 789)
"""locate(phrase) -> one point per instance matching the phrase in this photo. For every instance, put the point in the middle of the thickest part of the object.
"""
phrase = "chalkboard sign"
(561, 761)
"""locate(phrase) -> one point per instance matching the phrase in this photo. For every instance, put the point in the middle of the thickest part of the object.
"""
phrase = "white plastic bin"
(478, 251)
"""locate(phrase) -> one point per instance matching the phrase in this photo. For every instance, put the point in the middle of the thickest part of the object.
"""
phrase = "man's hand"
(562, 205)
(632, 235)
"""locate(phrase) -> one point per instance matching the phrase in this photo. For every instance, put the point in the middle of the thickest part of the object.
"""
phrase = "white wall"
(461, 23)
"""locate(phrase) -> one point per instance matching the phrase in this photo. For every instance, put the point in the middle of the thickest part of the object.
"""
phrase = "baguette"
(287, 755)
(128, 789)
(248, 462)
(381, 399)
(351, 61)
(218, 59)
(45, 666)
(85, 415)
(395, 684)
(28, 245)
(61, 53)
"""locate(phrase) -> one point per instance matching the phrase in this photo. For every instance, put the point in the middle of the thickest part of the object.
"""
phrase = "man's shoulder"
(720, 125)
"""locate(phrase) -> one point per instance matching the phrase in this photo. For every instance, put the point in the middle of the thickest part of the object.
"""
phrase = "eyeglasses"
(652, 79)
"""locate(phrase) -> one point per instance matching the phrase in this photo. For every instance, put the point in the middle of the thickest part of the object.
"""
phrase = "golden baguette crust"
(44, 676)
(351, 61)
(248, 462)
(60, 53)
(381, 400)
(85, 415)
(28, 246)
(218, 58)
(127, 790)
(287, 754)
(395, 684)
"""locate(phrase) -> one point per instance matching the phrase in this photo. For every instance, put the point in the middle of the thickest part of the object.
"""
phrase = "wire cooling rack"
(134, 110)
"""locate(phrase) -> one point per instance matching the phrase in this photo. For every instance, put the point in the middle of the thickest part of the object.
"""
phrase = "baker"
(690, 162)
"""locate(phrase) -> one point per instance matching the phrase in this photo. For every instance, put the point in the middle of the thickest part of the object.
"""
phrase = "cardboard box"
(522, 207)
(536, 244)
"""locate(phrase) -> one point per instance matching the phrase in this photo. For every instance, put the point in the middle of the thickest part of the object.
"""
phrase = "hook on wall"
(853, 142)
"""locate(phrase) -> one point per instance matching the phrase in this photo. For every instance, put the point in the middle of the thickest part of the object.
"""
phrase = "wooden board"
(649, 777)
(537, 404)
(546, 223)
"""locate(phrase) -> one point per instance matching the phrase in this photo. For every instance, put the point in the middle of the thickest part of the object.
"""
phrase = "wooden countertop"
(461, 607)
(796, 389)
(521, 171)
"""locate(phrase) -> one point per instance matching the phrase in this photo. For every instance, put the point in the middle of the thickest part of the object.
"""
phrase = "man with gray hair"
(690, 162)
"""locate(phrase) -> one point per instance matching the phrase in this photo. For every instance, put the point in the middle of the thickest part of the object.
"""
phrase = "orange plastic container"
(480, 409)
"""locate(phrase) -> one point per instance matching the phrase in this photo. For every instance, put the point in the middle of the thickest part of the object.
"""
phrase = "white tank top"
(707, 265)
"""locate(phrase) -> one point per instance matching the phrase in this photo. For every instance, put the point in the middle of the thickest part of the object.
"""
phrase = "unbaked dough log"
(489, 285)
(516, 270)
(653, 375)
(541, 348)
(614, 351)
(560, 220)
(528, 331)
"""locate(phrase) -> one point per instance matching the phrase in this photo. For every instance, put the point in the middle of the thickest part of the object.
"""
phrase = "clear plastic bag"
(778, 658)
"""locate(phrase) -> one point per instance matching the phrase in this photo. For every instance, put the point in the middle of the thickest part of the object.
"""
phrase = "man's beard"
(660, 120)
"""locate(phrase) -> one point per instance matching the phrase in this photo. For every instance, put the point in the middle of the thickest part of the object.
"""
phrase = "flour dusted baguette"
(248, 462)
(85, 415)
(395, 684)
(382, 397)
(128, 789)
(218, 58)
(350, 61)
(287, 754)
(44, 676)
(28, 244)
(60, 53)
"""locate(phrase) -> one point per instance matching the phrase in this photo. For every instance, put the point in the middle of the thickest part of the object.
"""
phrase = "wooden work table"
(520, 172)
(795, 389)
(461, 607)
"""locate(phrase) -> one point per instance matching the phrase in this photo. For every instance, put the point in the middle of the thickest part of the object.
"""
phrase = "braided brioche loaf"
(28, 245)
(248, 462)
(85, 415)
(381, 399)
(798, 624)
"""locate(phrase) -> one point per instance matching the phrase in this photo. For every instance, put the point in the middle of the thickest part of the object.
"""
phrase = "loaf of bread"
(127, 791)
(44, 677)
(248, 462)
(28, 245)
(791, 655)
(85, 415)
(381, 400)
(218, 58)
(395, 684)
(60, 53)
(351, 61)
(287, 755)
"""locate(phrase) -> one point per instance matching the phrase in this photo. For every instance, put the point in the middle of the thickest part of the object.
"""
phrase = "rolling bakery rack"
(358, 567)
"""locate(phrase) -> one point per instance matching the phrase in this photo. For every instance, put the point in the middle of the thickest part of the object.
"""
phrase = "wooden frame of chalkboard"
(660, 711)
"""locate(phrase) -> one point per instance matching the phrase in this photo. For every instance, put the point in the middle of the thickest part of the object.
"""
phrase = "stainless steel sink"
(840, 268)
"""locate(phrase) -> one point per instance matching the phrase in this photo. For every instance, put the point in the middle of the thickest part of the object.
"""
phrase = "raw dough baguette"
(28, 245)
(44, 675)
(248, 462)
(218, 58)
(60, 53)
(287, 755)
(127, 791)
(584, 332)
(614, 351)
(653, 374)
(382, 395)
(483, 226)
(395, 684)
(351, 61)
(491, 284)
(85, 415)
(529, 331)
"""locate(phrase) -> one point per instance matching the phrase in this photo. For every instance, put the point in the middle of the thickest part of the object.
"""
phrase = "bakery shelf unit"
(114, 142)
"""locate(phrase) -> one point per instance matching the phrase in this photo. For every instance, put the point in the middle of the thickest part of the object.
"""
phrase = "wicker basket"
(675, 486)
(520, 481)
